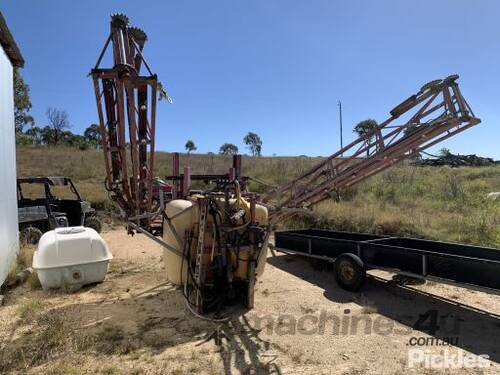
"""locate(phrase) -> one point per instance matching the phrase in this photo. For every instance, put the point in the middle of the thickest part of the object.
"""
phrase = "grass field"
(431, 202)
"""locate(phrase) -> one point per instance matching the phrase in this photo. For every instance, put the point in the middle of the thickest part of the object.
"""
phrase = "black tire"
(350, 272)
(30, 235)
(94, 223)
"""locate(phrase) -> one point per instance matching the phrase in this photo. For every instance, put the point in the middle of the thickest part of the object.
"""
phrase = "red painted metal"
(438, 111)
(127, 122)
(176, 173)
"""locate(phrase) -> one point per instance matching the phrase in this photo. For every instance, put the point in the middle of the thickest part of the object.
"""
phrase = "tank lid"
(69, 230)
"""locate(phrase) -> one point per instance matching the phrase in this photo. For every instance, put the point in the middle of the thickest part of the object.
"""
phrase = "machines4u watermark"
(435, 350)
(346, 323)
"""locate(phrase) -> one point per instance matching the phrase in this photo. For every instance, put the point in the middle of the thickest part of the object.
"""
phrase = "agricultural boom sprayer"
(216, 239)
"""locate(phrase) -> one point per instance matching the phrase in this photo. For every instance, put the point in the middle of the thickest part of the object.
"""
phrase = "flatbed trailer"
(352, 254)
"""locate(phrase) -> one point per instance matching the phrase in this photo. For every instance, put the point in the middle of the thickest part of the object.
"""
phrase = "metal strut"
(200, 247)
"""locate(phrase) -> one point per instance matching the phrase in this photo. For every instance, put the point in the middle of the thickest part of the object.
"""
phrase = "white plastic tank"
(71, 257)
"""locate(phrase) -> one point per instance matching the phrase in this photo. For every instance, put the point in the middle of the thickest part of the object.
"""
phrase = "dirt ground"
(302, 323)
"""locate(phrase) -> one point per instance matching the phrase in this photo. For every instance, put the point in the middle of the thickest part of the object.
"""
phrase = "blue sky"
(275, 67)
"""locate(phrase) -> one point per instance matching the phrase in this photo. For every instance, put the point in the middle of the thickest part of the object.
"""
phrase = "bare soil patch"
(135, 323)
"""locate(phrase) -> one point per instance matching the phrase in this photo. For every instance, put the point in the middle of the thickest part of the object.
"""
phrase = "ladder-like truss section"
(126, 105)
(438, 111)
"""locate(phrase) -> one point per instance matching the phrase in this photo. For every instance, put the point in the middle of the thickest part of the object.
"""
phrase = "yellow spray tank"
(180, 218)
(181, 224)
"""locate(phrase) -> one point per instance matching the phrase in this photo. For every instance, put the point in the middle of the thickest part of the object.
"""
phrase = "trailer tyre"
(350, 272)
(94, 223)
(30, 235)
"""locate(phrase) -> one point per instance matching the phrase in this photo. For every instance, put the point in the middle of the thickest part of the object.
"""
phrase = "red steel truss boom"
(438, 111)
(126, 105)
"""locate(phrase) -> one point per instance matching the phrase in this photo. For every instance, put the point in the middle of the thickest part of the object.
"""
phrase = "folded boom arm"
(438, 111)
(126, 105)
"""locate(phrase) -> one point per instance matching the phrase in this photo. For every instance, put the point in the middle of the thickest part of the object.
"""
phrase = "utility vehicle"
(45, 203)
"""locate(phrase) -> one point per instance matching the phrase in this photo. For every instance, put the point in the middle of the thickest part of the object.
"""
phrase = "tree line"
(57, 133)
(57, 130)
(251, 140)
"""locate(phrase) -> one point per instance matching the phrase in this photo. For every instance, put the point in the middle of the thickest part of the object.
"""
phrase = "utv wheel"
(350, 272)
(30, 235)
(94, 223)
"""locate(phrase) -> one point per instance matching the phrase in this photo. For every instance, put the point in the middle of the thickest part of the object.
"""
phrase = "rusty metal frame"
(438, 111)
(126, 106)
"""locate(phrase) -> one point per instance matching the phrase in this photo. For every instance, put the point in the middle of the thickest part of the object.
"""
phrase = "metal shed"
(10, 58)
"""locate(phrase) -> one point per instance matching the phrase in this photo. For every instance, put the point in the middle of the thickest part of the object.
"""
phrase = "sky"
(274, 67)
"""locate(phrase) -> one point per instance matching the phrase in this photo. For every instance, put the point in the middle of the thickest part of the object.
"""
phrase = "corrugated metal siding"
(8, 195)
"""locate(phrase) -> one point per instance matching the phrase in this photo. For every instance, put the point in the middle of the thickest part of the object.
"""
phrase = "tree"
(47, 135)
(365, 127)
(22, 103)
(228, 149)
(23, 139)
(35, 134)
(412, 128)
(68, 138)
(190, 146)
(254, 143)
(77, 140)
(93, 135)
(58, 122)
(445, 152)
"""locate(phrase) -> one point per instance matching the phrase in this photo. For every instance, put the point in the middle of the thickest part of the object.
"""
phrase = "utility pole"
(340, 117)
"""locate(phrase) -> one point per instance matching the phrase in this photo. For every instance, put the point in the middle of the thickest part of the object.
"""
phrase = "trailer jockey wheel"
(350, 272)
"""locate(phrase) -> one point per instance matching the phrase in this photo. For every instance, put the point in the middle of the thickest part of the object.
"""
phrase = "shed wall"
(9, 243)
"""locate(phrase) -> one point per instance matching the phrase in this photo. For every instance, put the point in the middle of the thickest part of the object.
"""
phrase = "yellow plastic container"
(183, 215)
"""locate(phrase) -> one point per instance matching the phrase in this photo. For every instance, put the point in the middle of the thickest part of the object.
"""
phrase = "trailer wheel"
(350, 272)
(30, 235)
(94, 223)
